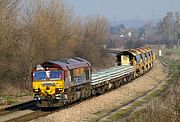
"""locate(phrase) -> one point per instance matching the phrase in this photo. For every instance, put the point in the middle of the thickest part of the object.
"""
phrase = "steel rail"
(17, 107)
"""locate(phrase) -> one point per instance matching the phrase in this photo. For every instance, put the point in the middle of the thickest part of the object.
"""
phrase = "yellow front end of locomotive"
(48, 88)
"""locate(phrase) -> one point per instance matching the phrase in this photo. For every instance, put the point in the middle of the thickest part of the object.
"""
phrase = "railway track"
(15, 110)
(44, 112)
(40, 113)
(31, 116)
(37, 112)
(17, 107)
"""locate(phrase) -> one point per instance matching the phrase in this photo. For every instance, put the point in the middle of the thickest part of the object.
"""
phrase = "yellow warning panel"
(125, 59)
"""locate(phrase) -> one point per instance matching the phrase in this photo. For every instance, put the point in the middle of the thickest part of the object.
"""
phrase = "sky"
(115, 10)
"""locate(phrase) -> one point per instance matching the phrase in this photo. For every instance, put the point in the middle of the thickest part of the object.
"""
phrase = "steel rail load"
(61, 82)
(110, 78)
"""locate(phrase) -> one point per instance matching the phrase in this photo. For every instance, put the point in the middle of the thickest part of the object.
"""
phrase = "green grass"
(11, 99)
(25, 93)
(176, 51)
(7, 100)
(177, 107)
(123, 112)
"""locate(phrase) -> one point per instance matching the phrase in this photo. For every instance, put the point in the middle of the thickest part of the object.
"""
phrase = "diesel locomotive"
(56, 83)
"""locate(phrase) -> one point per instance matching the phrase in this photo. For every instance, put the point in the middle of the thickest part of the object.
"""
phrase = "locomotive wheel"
(88, 94)
(99, 90)
(70, 100)
(113, 86)
(83, 94)
(129, 78)
(103, 89)
(93, 92)
(125, 80)
(117, 83)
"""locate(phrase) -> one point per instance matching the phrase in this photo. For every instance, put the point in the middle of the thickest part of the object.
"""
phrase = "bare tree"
(95, 34)
(8, 37)
(34, 31)
(167, 28)
(177, 27)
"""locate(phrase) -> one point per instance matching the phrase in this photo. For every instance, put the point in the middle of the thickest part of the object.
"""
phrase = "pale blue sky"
(124, 9)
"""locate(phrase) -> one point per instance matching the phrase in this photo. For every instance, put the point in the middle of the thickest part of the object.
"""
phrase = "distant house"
(121, 35)
(129, 34)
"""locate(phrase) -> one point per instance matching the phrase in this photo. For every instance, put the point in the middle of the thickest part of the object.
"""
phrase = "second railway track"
(9, 112)
(17, 107)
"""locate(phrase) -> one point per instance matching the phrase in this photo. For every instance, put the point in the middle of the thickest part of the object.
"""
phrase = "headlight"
(59, 90)
(37, 90)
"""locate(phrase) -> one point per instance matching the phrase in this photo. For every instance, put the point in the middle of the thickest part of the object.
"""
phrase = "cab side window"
(87, 73)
